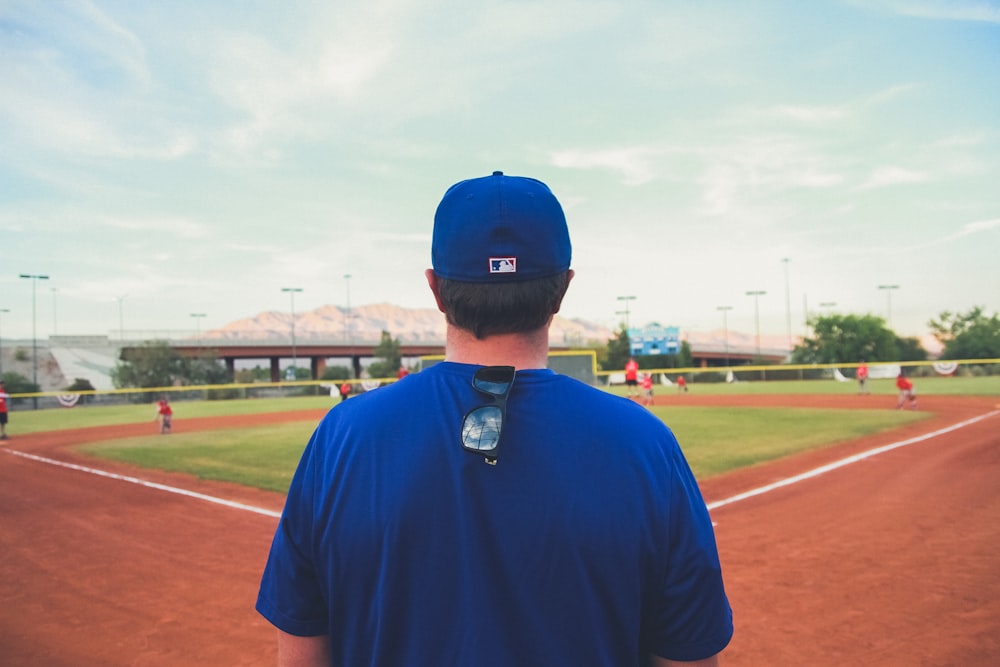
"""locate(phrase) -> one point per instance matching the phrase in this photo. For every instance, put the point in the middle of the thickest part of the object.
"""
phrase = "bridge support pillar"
(317, 366)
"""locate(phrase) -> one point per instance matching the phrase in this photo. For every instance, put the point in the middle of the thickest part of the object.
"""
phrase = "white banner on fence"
(945, 367)
(886, 372)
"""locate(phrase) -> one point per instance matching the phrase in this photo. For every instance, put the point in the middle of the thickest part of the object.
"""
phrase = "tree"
(685, 358)
(156, 364)
(972, 335)
(205, 369)
(16, 383)
(80, 384)
(336, 373)
(618, 351)
(251, 375)
(910, 349)
(389, 355)
(851, 338)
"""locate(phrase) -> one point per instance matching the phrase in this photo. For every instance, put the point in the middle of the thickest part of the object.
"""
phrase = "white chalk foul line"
(822, 470)
(815, 472)
(148, 484)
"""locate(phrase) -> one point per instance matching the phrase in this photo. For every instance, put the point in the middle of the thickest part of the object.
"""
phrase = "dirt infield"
(891, 560)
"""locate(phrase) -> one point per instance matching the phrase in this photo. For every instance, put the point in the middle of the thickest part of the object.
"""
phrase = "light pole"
(788, 306)
(197, 327)
(121, 318)
(626, 299)
(756, 294)
(888, 300)
(34, 278)
(725, 329)
(2, 310)
(291, 293)
(55, 330)
(347, 314)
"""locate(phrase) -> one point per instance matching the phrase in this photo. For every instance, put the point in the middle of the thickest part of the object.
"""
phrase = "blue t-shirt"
(588, 543)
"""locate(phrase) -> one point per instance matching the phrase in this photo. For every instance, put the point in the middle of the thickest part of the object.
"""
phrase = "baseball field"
(879, 547)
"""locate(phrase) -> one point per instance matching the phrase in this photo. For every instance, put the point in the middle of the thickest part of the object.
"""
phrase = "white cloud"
(889, 176)
(971, 228)
(633, 164)
(811, 115)
(173, 226)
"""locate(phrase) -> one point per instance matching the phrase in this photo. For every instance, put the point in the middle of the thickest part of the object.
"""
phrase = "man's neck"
(522, 351)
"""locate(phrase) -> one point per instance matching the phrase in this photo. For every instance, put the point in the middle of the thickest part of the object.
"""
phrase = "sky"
(173, 166)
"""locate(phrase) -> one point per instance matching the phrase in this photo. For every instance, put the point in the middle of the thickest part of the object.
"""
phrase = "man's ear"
(569, 278)
(432, 282)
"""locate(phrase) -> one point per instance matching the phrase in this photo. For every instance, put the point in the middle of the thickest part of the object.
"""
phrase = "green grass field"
(34, 421)
(715, 440)
(987, 385)
(263, 457)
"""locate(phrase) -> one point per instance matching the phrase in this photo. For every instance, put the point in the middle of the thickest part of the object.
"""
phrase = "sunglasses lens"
(481, 428)
(494, 381)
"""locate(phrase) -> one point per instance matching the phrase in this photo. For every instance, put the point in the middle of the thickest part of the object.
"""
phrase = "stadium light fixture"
(626, 299)
(34, 278)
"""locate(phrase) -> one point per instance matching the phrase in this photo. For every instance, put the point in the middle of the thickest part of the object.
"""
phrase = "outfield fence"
(810, 372)
(579, 364)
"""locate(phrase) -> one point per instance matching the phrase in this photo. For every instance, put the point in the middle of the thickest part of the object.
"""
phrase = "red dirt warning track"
(892, 560)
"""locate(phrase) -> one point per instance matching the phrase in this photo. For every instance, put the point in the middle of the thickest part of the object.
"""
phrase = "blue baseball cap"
(499, 229)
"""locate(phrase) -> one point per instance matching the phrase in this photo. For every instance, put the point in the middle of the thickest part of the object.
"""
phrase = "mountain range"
(365, 324)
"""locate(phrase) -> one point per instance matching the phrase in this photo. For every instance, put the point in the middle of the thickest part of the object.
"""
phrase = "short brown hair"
(487, 309)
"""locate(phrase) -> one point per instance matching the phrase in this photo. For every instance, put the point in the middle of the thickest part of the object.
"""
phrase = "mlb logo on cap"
(503, 264)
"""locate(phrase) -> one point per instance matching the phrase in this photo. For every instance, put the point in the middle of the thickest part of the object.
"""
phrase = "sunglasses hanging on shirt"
(482, 426)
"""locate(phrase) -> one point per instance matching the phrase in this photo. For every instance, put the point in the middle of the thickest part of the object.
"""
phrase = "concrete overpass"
(316, 353)
(319, 352)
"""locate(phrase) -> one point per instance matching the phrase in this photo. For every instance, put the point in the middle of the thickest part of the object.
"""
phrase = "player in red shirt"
(3, 411)
(165, 414)
(632, 377)
(682, 384)
(647, 388)
(906, 392)
(862, 377)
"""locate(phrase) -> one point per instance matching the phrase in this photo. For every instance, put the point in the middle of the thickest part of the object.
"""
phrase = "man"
(4, 397)
(647, 389)
(487, 511)
(862, 377)
(632, 376)
(906, 392)
(165, 414)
